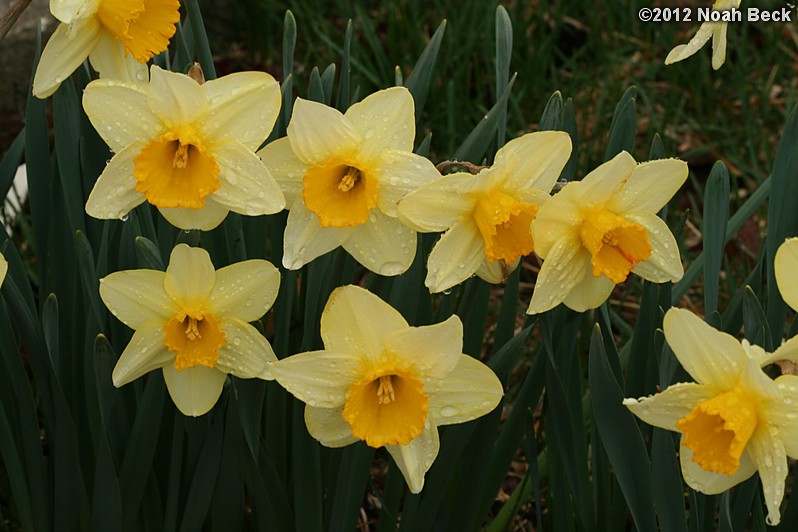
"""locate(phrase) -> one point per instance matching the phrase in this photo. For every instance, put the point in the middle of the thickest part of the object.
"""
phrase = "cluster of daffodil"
(191, 149)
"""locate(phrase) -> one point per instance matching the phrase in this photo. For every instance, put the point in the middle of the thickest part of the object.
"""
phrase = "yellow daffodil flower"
(487, 217)
(716, 30)
(594, 232)
(342, 175)
(116, 35)
(734, 420)
(785, 265)
(192, 321)
(188, 149)
(386, 383)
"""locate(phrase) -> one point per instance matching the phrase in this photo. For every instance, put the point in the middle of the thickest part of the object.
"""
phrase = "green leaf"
(107, 500)
(716, 216)
(551, 120)
(419, 80)
(624, 126)
(11, 162)
(200, 491)
(477, 142)
(504, 53)
(88, 277)
(350, 485)
(315, 88)
(757, 328)
(148, 254)
(621, 436)
(203, 48)
(667, 488)
(344, 94)
(327, 80)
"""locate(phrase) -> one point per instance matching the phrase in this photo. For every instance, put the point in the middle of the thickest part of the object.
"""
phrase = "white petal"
(119, 113)
(599, 185)
(719, 45)
(247, 354)
(664, 264)
(110, 59)
(247, 186)
(782, 413)
(563, 270)
(383, 244)
(387, 121)
(205, 218)
(328, 426)
(785, 265)
(243, 107)
(194, 390)
(590, 292)
(713, 483)
(664, 409)
(534, 160)
(415, 458)
(399, 174)
(189, 277)
(175, 98)
(285, 167)
(64, 52)
(114, 194)
(145, 352)
(319, 378)
(456, 256)
(650, 187)
(245, 290)
(305, 239)
(683, 51)
(437, 206)
(356, 321)
(470, 391)
(433, 350)
(137, 296)
(708, 355)
(319, 133)
(768, 454)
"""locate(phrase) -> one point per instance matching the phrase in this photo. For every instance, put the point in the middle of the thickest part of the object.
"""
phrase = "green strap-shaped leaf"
(203, 48)
(623, 127)
(716, 217)
(476, 144)
(504, 53)
(419, 80)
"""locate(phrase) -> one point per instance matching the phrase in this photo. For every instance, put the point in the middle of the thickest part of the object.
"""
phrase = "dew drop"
(449, 411)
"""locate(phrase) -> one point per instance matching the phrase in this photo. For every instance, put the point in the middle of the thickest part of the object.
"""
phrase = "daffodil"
(188, 149)
(383, 382)
(594, 232)
(487, 217)
(342, 175)
(734, 420)
(785, 265)
(716, 30)
(116, 35)
(192, 322)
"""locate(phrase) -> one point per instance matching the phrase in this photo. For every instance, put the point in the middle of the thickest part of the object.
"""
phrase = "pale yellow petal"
(247, 354)
(243, 107)
(415, 458)
(563, 270)
(68, 10)
(319, 378)
(145, 352)
(557, 217)
(305, 239)
(591, 292)
(189, 277)
(664, 409)
(786, 266)
(757, 382)
(601, 184)
(783, 414)
(708, 355)
(713, 483)
(120, 114)
(327, 425)
(719, 45)
(683, 51)
(319, 133)
(64, 52)
(383, 244)
(767, 452)
(456, 257)
(399, 174)
(244, 290)
(432, 350)
(205, 218)
(194, 390)
(357, 321)
(247, 187)
(786, 351)
(664, 264)
(3, 269)
(137, 296)
(386, 120)
(285, 167)
(534, 160)
(110, 59)
(470, 391)
(493, 272)
(175, 98)
(438, 205)
(114, 194)
(650, 187)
